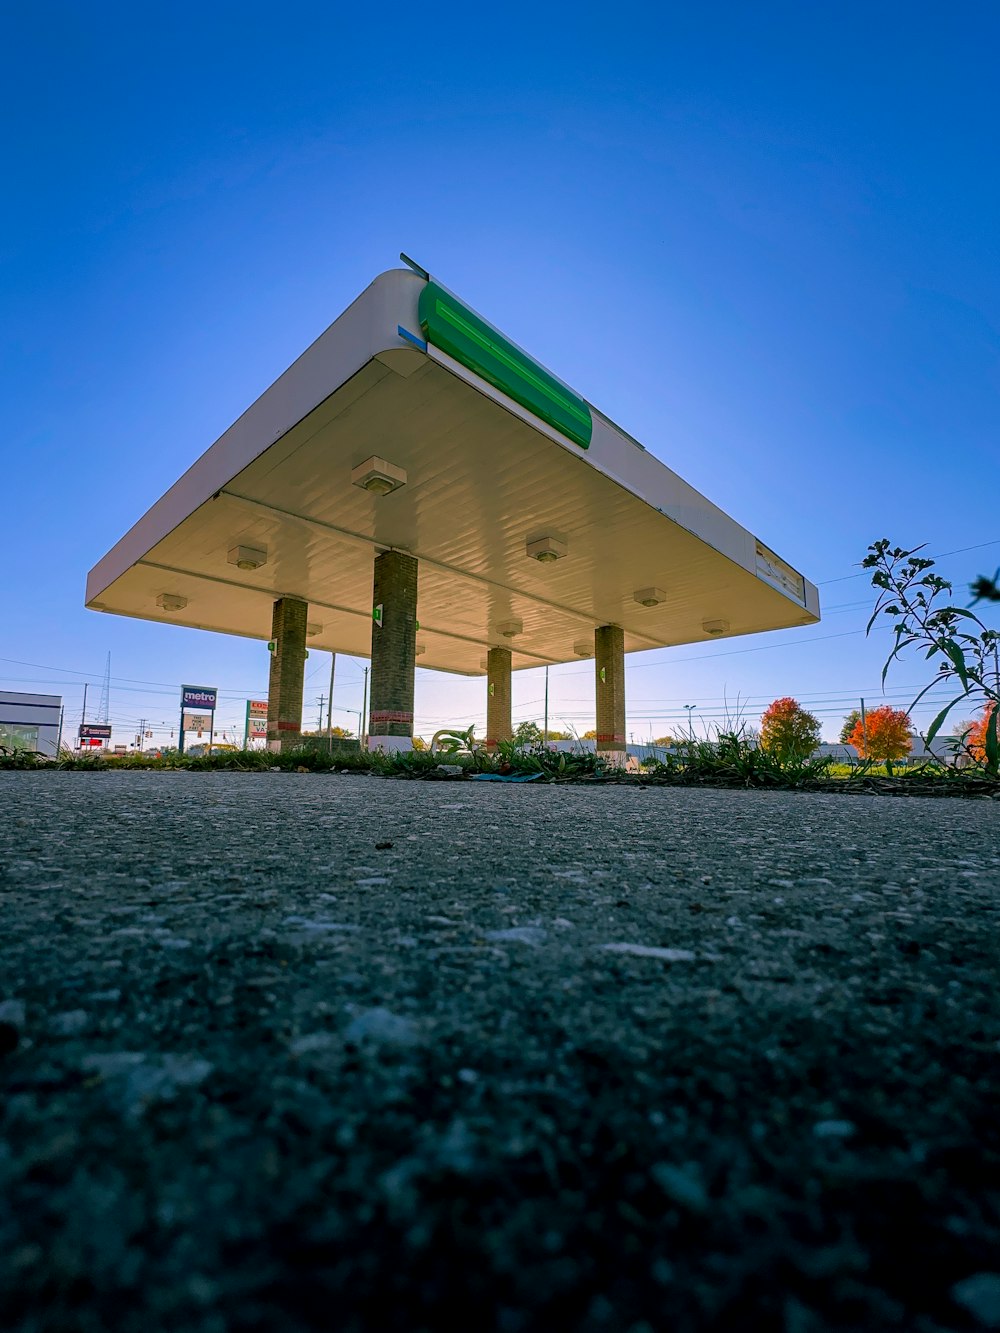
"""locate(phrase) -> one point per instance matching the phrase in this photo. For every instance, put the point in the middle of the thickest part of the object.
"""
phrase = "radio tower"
(105, 705)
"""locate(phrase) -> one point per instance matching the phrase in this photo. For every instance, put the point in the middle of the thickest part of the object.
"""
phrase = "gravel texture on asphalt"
(296, 1052)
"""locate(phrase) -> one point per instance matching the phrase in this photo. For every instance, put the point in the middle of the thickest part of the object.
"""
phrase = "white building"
(30, 721)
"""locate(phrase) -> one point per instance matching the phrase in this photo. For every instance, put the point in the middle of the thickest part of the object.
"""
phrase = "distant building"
(30, 721)
(942, 748)
(640, 753)
(835, 750)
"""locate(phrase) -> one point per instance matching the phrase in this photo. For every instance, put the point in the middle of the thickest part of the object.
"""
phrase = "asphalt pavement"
(300, 1052)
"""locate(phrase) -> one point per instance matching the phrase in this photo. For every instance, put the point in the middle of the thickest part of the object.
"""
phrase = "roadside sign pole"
(180, 730)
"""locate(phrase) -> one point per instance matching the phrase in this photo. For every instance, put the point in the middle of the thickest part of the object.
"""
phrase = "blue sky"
(761, 238)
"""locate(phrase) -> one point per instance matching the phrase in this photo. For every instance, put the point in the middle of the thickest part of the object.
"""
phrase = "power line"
(961, 550)
(128, 685)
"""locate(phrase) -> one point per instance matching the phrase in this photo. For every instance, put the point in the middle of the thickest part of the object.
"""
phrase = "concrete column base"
(390, 744)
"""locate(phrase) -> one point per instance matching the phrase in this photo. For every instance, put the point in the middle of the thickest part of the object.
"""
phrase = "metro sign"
(202, 697)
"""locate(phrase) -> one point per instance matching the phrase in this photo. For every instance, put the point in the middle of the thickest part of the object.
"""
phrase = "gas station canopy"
(412, 424)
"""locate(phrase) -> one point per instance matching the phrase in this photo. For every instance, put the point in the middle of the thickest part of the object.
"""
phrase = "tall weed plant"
(924, 617)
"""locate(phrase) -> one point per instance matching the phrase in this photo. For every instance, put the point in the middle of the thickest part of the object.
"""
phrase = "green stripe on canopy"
(457, 330)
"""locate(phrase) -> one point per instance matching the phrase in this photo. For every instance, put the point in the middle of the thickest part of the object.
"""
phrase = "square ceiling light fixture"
(546, 549)
(247, 557)
(378, 476)
(313, 628)
(649, 596)
(171, 601)
(510, 628)
(583, 648)
(715, 627)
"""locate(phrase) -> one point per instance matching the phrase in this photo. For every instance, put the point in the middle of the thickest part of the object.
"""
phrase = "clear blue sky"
(763, 238)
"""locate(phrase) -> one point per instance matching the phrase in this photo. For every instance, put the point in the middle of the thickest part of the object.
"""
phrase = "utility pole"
(83, 715)
(545, 733)
(864, 728)
(142, 733)
(319, 724)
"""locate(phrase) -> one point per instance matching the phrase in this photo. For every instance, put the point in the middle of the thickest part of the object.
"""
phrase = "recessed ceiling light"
(378, 476)
(247, 557)
(715, 627)
(171, 601)
(546, 549)
(584, 648)
(649, 596)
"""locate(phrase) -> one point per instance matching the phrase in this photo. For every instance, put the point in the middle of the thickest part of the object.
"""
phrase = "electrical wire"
(133, 685)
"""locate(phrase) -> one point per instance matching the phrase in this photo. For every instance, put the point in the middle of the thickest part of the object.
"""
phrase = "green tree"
(788, 731)
(850, 722)
(528, 733)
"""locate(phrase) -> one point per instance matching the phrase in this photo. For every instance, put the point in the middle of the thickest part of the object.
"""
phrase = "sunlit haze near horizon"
(762, 239)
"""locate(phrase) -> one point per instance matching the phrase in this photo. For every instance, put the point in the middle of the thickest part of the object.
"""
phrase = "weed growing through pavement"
(919, 602)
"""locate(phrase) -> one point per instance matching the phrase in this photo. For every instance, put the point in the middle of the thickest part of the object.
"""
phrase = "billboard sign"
(256, 721)
(94, 732)
(202, 697)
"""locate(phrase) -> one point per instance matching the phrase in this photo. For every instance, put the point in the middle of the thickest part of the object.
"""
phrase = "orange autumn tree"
(788, 731)
(883, 736)
(975, 738)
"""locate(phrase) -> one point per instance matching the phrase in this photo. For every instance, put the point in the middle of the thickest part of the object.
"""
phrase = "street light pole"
(690, 709)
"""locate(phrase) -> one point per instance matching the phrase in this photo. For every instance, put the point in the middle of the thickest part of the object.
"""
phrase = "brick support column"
(498, 724)
(394, 651)
(288, 666)
(609, 665)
